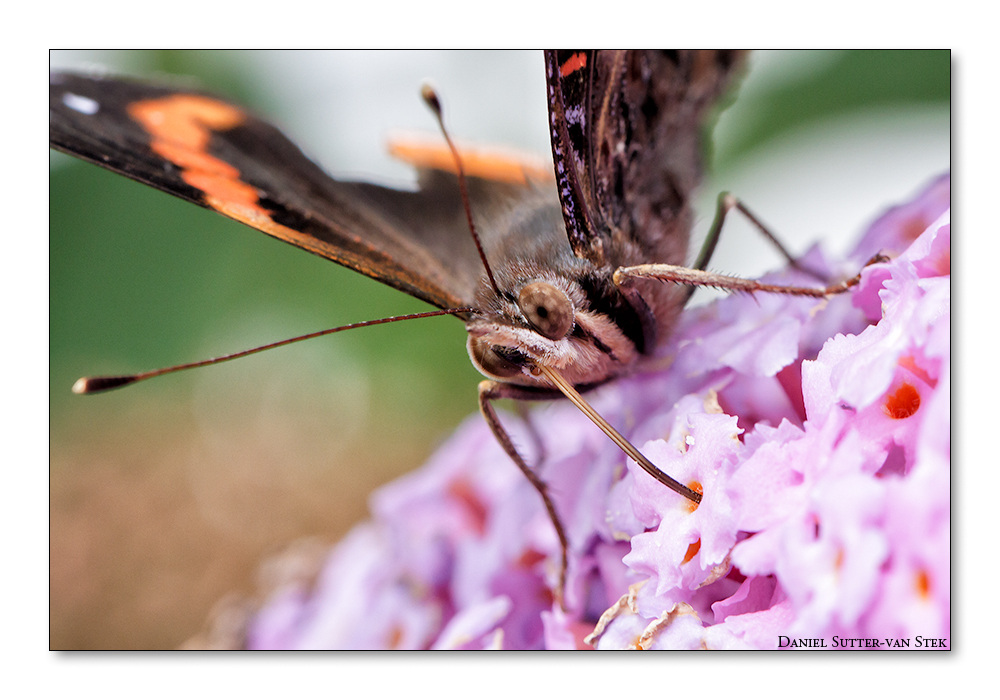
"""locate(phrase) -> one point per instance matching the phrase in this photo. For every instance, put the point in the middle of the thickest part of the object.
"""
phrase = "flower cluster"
(818, 432)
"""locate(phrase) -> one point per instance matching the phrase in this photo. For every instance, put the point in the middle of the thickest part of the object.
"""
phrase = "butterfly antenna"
(431, 98)
(94, 385)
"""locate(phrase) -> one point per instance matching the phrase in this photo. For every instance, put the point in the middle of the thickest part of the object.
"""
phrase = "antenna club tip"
(93, 385)
(430, 96)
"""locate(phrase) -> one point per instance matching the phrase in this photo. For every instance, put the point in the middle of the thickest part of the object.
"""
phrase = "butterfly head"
(547, 321)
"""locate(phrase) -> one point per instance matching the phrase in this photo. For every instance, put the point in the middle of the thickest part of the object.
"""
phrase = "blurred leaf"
(855, 81)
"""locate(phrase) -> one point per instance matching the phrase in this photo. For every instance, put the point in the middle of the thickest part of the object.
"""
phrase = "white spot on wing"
(79, 103)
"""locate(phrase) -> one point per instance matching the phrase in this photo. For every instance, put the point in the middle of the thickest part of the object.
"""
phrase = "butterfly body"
(504, 343)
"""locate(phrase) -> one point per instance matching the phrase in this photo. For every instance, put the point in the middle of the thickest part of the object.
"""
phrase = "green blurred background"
(167, 495)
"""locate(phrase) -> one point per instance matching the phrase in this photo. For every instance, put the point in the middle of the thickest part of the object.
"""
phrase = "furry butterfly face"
(554, 323)
(550, 307)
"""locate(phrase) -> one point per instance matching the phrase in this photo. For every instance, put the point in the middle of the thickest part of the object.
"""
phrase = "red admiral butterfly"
(625, 129)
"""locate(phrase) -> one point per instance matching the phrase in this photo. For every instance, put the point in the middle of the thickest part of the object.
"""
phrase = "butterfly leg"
(529, 423)
(489, 391)
(726, 203)
(700, 278)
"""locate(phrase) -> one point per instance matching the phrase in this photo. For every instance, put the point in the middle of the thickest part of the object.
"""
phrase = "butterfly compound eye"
(495, 360)
(547, 308)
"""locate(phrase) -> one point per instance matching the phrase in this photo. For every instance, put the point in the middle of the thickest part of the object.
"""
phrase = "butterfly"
(542, 296)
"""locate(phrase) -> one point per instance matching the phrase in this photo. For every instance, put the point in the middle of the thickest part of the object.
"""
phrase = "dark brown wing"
(626, 128)
(219, 156)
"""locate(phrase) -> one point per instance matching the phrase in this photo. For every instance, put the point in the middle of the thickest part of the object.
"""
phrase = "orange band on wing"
(181, 128)
(503, 166)
(573, 64)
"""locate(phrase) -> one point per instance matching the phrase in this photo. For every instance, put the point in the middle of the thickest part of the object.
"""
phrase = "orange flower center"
(902, 403)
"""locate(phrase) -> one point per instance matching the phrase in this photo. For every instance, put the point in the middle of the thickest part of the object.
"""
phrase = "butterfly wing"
(626, 137)
(219, 156)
